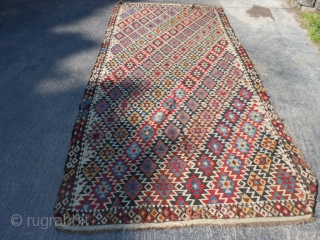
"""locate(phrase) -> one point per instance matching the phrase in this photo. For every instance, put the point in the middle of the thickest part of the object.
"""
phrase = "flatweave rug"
(176, 129)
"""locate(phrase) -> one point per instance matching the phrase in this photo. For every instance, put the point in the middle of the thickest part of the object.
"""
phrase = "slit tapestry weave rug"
(176, 129)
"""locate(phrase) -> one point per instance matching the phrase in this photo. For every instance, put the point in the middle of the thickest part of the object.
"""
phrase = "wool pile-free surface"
(176, 129)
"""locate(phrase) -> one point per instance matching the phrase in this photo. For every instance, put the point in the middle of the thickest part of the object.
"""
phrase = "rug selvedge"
(175, 127)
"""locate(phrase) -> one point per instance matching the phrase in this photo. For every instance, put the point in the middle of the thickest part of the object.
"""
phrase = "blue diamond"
(133, 151)
(177, 166)
(159, 117)
(119, 169)
(226, 184)
(234, 163)
(170, 104)
(164, 187)
(103, 189)
(255, 116)
(249, 129)
(147, 133)
(180, 93)
(242, 145)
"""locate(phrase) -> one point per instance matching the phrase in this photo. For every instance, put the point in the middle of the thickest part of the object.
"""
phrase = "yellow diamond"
(168, 83)
(112, 64)
(193, 57)
(142, 42)
(123, 57)
(165, 26)
(200, 49)
(91, 170)
(263, 161)
(268, 143)
(173, 21)
(121, 135)
(158, 93)
(177, 73)
(107, 153)
(147, 105)
(256, 183)
(207, 43)
(186, 64)
(134, 118)
(133, 49)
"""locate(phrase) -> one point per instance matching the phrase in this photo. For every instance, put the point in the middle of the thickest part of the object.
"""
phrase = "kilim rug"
(176, 129)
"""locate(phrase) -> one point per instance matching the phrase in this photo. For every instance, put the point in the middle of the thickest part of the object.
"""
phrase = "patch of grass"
(311, 21)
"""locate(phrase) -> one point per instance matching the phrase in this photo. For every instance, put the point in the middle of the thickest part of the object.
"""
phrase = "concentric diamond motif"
(177, 166)
(170, 104)
(138, 73)
(107, 152)
(234, 163)
(158, 93)
(148, 167)
(268, 143)
(164, 187)
(249, 129)
(96, 136)
(226, 184)
(245, 93)
(209, 83)
(206, 164)
(121, 135)
(207, 117)
(183, 117)
(238, 104)
(119, 168)
(160, 149)
(255, 116)
(256, 183)
(147, 105)
(189, 83)
(115, 94)
(188, 147)
(91, 170)
(180, 93)
(124, 105)
(133, 187)
(197, 131)
(111, 119)
(172, 131)
(127, 83)
(193, 104)
(201, 93)
(134, 118)
(147, 133)
(286, 180)
(195, 186)
(231, 116)
(215, 146)
(133, 151)
(168, 83)
(103, 189)
(215, 105)
(101, 106)
(159, 117)
(223, 130)
(242, 145)
(263, 161)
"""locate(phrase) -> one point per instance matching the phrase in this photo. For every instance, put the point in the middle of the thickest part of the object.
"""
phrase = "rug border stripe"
(244, 222)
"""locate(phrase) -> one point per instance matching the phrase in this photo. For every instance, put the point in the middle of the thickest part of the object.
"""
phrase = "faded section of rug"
(176, 129)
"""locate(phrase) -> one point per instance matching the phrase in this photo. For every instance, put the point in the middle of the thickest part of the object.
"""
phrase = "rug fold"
(175, 129)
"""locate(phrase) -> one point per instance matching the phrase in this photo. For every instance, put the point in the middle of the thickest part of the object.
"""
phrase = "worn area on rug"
(176, 129)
